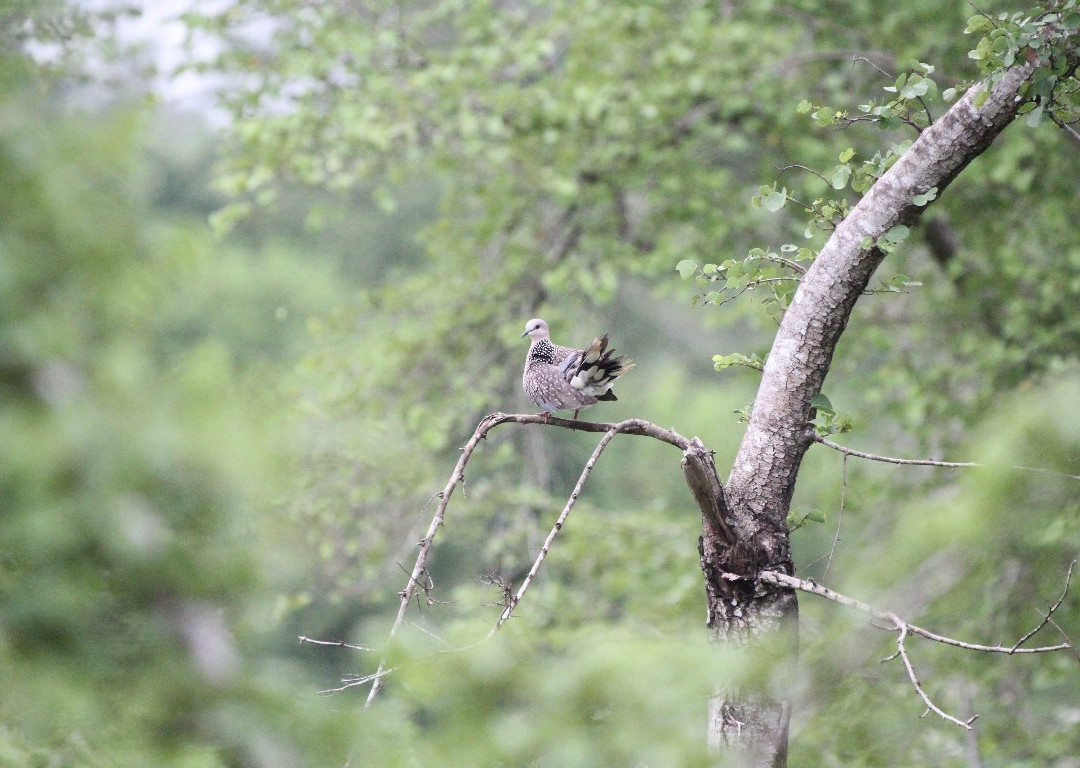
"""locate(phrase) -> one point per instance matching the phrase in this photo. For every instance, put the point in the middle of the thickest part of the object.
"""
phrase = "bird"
(563, 378)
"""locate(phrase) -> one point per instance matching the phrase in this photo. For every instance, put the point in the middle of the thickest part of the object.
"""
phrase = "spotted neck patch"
(542, 351)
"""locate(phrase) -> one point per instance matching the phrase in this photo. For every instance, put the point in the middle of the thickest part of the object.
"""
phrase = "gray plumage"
(563, 378)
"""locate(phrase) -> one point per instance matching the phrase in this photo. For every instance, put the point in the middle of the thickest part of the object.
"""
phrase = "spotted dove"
(562, 378)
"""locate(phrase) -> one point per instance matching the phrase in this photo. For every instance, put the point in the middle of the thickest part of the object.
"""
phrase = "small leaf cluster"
(825, 213)
(826, 421)
(755, 361)
(1006, 39)
(797, 518)
(777, 275)
(906, 106)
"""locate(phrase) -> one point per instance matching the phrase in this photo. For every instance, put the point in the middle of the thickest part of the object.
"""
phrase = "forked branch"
(697, 465)
(542, 555)
(892, 622)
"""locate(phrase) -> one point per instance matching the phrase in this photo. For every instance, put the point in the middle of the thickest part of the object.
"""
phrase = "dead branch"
(694, 456)
(546, 547)
(901, 651)
(839, 519)
(352, 681)
(335, 643)
(926, 462)
(887, 618)
(1050, 611)
(892, 622)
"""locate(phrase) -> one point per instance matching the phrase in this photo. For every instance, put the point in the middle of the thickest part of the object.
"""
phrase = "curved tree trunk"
(753, 534)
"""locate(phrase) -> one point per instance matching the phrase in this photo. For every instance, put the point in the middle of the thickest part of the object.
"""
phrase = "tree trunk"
(752, 535)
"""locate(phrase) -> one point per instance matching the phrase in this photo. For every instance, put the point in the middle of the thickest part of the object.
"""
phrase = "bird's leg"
(576, 413)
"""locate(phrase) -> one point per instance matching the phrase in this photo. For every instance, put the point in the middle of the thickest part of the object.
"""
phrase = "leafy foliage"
(167, 459)
(132, 602)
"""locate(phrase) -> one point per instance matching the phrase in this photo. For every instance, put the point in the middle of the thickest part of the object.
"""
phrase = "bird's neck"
(542, 351)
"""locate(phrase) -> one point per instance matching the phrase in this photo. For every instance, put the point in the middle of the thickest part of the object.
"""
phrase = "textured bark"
(753, 535)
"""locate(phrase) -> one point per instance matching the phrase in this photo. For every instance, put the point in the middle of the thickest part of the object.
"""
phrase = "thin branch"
(855, 59)
(431, 634)
(789, 263)
(335, 643)
(1050, 611)
(1069, 130)
(984, 14)
(509, 609)
(927, 462)
(795, 61)
(628, 427)
(780, 172)
(888, 459)
(929, 117)
(887, 618)
(839, 519)
(903, 629)
(901, 651)
(1072, 645)
(355, 680)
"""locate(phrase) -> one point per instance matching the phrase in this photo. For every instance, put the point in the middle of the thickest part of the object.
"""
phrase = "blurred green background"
(243, 336)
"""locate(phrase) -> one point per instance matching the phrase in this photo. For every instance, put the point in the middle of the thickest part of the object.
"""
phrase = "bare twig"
(790, 264)
(628, 427)
(889, 459)
(901, 651)
(780, 172)
(353, 681)
(839, 519)
(425, 544)
(335, 643)
(430, 634)
(926, 462)
(855, 59)
(1068, 640)
(509, 609)
(1050, 611)
(887, 619)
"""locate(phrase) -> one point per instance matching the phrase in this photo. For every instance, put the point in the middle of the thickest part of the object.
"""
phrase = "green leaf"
(822, 403)
(840, 176)
(774, 201)
(720, 362)
(977, 23)
(948, 94)
(846, 155)
(896, 235)
(925, 197)
(1034, 117)
(686, 268)
(804, 107)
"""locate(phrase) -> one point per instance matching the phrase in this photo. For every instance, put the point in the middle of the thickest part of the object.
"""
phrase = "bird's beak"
(525, 334)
